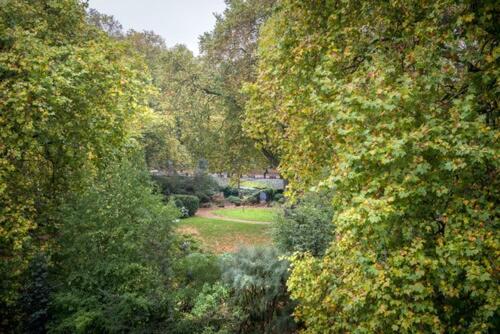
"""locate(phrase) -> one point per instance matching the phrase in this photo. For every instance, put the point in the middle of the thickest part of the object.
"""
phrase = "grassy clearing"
(253, 214)
(257, 184)
(222, 236)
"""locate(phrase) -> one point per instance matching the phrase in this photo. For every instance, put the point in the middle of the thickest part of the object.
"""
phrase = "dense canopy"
(394, 106)
(381, 118)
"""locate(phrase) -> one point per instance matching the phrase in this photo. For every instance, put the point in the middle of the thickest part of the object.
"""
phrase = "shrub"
(252, 196)
(212, 312)
(113, 261)
(191, 273)
(248, 191)
(203, 197)
(269, 193)
(230, 191)
(206, 184)
(201, 185)
(249, 200)
(279, 198)
(235, 200)
(257, 278)
(307, 226)
(184, 244)
(191, 203)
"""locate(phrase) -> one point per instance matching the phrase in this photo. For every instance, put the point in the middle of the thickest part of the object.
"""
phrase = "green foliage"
(306, 226)
(188, 202)
(251, 298)
(162, 145)
(185, 244)
(201, 301)
(112, 265)
(278, 197)
(253, 214)
(201, 185)
(192, 272)
(69, 97)
(229, 58)
(252, 195)
(257, 278)
(214, 310)
(35, 296)
(230, 191)
(394, 106)
(211, 313)
(161, 149)
(235, 200)
(205, 187)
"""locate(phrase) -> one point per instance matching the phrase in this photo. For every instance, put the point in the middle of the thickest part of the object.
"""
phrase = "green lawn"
(257, 184)
(253, 214)
(222, 236)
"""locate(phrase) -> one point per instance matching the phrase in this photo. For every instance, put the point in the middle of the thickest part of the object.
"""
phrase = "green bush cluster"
(257, 277)
(280, 198)
(187, 202)
(202, 186)
(36, 295)
(109, 276)
(235, 200)
(230, 191)
(243, 292)
(252, 195)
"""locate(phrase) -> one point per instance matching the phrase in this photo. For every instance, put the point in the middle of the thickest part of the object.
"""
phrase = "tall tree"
(394, 106)
(229, 51)
(163, 147)
(68, 98)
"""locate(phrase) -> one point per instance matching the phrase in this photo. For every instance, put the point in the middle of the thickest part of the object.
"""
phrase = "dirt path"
(208, 213)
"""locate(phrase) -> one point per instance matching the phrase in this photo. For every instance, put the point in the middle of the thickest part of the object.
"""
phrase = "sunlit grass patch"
(252, 214)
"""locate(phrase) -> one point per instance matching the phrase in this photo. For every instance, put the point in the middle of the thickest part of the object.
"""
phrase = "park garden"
(320, 167)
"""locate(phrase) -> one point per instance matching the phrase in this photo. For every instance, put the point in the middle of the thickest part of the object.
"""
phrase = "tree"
(106, 23)
(69, 97)
(113, 265)
(162, 146)
(229, 54)
(393, 105)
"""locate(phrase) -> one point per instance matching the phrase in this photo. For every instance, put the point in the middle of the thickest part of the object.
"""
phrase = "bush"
(113, 263)
(206, 184)
(307, 226)
(257, 278)
(203, 197)
(202, 186)
(250, 197)
(235, 200)
(192, 272)
(230, 191)
(190, 203)
(249, 200)
(212, 313)
(279, 198)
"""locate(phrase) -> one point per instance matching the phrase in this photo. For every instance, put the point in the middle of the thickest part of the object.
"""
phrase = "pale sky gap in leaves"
(177, 21)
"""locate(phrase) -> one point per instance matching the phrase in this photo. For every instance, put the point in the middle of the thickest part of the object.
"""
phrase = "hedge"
(191, 203)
